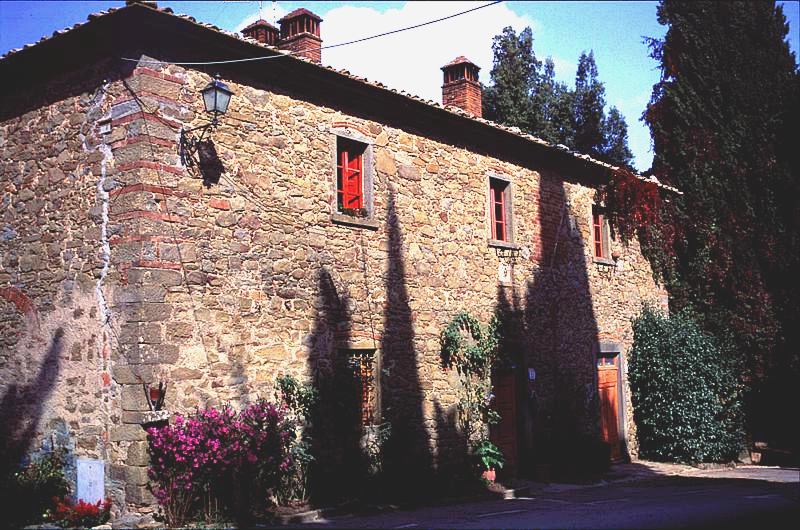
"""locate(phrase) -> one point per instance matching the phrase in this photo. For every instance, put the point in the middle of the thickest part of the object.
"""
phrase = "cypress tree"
(589, 103)
(514, 73)
(552, 105)
(525, 94)
(615, 139)
(721, 118)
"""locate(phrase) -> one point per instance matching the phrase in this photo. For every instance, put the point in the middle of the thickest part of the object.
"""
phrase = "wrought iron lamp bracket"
(189, 142)
(507, 253)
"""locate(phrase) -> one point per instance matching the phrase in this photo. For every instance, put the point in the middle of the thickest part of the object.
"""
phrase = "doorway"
(608, 388)
(504, 433)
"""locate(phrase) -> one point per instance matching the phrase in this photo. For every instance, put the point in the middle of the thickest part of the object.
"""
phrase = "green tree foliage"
(685, 392)
(552, 105)
(721, 119)
(590, 99)
(524, 93)
(615, 139)
(513, 75)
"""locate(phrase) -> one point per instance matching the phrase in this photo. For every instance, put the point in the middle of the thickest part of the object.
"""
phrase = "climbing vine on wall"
(633, 205)
(472, 349)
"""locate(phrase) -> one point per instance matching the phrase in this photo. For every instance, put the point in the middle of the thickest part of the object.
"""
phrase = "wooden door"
(504, 434)
(608, 388)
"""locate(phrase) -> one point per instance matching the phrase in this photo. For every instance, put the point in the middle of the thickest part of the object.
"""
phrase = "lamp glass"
(209, 98)
(223, 98)
(216, 97)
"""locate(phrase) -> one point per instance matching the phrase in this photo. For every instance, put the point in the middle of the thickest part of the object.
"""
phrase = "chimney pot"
(262, 31)
(300, 34)
(461, 87)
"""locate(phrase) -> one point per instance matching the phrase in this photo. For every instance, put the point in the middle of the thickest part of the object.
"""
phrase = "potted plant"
(489, 458)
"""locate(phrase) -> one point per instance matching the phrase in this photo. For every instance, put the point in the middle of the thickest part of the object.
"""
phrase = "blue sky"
(410, 61)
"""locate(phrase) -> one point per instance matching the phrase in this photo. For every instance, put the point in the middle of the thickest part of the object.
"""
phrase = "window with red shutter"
(600, 234)
(350, 176)
(499, 204)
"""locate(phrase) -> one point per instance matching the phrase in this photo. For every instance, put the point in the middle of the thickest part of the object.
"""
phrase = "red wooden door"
(504, 434)
(608, 388)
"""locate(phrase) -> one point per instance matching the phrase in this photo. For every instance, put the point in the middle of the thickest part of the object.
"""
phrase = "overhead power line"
(356, 41)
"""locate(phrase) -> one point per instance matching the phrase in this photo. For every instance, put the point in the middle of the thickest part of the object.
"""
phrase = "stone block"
(118, 472)
(145, 312)
(136, 418)
(384, 162)
(182, 374)
(150, 353)
(130, 375)
(138, 495)
(139, 293)
(128, 433)
(227, 219)
(133, 398)
(164, 277)
(140, 333)
(409, 172)
(136, 475)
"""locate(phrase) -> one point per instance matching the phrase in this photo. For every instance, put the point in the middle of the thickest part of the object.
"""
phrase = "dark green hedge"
(687, 397)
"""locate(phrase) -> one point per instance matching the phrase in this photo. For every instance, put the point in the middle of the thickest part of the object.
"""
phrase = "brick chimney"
(262, 31)
(461, 87)
(300, 33)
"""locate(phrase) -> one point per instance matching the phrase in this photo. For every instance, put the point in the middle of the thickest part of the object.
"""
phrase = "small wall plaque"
(504, 273)
(91, 480)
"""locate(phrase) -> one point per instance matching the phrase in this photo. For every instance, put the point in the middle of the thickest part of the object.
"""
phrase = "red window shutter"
(355, 195)
(341, 180)
(597, 230)
(350, 175)
(498, 213)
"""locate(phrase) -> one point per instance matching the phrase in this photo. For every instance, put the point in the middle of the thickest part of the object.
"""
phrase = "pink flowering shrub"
(202, 460)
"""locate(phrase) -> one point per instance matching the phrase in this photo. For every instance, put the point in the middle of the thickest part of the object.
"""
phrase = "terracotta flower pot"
(490, 475)
(156, 395)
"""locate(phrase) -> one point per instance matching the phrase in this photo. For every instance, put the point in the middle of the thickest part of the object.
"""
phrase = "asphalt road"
(748, 498)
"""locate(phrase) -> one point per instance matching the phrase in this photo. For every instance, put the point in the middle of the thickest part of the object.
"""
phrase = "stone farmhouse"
(326, 220)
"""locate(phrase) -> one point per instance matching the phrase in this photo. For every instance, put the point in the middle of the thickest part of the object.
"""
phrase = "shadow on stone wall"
(512, 359)
(208, 163)
(335, 421)
(409, 463)
(561, 332)
(22, 407)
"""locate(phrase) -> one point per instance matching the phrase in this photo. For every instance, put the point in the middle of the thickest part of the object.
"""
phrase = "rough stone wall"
(274, 286)
(54, 344)
(220, 279)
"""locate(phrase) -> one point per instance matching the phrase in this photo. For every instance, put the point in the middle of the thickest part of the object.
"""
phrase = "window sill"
(496, 243)
(604, 261)
(348, 220)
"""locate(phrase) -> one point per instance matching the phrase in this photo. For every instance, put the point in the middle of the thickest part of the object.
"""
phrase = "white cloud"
(410, 60)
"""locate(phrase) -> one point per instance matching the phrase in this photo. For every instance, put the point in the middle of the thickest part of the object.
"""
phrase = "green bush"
(686, 393)
(31, 490)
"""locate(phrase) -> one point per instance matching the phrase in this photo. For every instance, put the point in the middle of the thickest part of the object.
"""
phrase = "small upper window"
(350, 177)
(500, 209)
(600, 234)
(352, 185)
